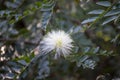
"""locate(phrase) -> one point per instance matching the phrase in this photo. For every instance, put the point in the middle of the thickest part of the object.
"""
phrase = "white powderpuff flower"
(57, 41)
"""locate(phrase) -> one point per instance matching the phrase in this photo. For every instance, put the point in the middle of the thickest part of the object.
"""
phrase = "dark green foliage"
(94, 25)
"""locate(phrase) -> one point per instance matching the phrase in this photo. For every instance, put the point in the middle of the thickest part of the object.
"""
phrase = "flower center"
(59, 43)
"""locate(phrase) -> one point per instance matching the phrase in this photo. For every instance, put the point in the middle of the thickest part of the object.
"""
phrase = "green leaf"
(12, 21)
(96, 49)
(81, 60)
(4, 13)
(22, 62)
(104, 3)
(47, 12)
(96, 11)
(89, 20)
(26, 12)
(113, 12)
(86, 49)
(117, 20)
(89, 63)
(109, 20)
(38, 4)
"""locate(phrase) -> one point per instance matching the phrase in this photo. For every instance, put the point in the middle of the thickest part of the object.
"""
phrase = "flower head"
(57, 41)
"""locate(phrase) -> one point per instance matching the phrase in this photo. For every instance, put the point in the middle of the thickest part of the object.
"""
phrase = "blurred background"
(93, 24)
